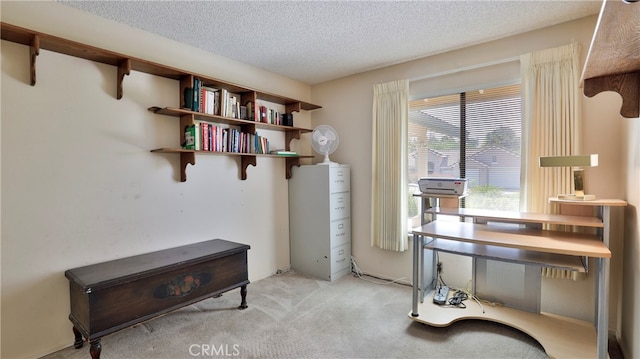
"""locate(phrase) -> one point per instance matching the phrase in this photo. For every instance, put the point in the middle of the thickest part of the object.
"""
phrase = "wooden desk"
(110, 296)
(560, 336)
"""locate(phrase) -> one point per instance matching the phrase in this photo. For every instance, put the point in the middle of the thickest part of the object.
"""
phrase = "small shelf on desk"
(596, 202)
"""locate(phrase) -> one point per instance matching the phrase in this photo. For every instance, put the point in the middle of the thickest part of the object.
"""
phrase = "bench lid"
(105, 274)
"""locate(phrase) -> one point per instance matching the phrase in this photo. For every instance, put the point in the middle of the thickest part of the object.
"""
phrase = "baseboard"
(615, 350)
(282, 270)
(622, 345)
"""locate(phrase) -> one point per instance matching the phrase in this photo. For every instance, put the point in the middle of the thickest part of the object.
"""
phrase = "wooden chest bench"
(110, 296)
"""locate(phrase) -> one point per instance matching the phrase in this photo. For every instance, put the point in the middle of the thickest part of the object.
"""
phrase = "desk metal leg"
(602, 300)
(602, 290)
(417, 249)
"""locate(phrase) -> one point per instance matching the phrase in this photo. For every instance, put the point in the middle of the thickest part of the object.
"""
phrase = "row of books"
(213, 101)
(221, 102)
(271, 116)
(205, 136)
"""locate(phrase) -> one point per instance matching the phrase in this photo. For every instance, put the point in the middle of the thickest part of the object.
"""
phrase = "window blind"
(474, 135)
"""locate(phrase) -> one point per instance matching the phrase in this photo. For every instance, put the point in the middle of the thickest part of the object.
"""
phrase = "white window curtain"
(551, 122)
(389, 167)
(551, 127)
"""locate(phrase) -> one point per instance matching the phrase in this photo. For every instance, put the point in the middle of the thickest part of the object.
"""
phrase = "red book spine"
(263, 114)
(205, 136)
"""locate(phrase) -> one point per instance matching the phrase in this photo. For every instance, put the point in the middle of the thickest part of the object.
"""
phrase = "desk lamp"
(576, 162)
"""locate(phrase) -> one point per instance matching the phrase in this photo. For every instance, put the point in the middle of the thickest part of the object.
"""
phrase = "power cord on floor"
(468, 294)
(458, 298)
(358, 273)
(460, 295)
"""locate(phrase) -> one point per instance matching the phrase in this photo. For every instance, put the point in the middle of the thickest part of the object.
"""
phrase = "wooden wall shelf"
(246, 159)
(188, 157)
(37, 40)
(177, 112)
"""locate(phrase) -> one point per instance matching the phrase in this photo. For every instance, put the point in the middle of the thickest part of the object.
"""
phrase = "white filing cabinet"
(320, 220)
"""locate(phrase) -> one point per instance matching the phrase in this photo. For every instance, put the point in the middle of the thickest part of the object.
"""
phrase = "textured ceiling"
(317, 41)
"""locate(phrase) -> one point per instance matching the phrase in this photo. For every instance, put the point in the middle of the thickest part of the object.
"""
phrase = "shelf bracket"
(123, 69)
(248, 128)
(293, 107)
(186, 158)
(246, 161)
(290, 135)
(34, 51)
(291, 161)
(626, 85)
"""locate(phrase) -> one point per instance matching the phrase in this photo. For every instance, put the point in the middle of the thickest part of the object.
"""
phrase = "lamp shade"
(569, 161)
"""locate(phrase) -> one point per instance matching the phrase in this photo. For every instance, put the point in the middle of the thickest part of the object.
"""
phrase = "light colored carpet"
(291, 315)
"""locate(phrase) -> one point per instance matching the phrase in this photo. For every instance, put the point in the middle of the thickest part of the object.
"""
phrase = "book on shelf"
(232, 105)
(274, 117)
(187, 101)
(255, 112)
(287, 119)
(250, 111)
(208, 100)
(213, 101)
(263, 114)
(197, 84)
(242, 114)
(206, 136)
(198, 140)
(261, 144)
(283, 153)
(189, 137)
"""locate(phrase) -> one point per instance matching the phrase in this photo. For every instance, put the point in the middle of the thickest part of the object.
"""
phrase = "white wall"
(80, 185)
(630, 299)
(348, 107)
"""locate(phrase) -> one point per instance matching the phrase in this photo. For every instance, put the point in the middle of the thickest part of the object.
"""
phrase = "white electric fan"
(324, 140)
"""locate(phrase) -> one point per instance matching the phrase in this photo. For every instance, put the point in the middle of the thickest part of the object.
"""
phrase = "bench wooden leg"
(78, 343)
(95, 349)
(243, 294)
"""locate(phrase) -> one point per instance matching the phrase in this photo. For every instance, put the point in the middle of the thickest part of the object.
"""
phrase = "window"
(474, 135)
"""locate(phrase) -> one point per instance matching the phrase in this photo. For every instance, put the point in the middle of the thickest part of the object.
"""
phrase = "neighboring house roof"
(492, 148)
(433, 123)
(473, 163)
